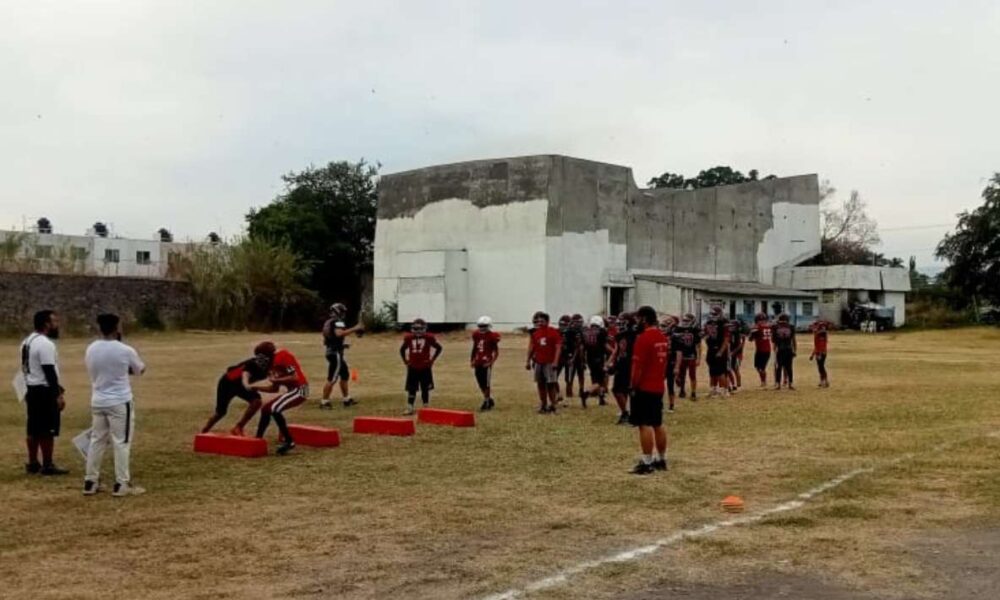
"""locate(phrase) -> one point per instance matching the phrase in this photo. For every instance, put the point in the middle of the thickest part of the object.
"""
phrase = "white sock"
(661, 456)
(647, 459)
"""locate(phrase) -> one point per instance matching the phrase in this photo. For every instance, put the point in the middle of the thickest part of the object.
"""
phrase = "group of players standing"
(272, 381)
(603, 348)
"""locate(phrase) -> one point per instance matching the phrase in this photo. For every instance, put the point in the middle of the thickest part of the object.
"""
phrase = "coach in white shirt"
(44, 397)
(109, 364)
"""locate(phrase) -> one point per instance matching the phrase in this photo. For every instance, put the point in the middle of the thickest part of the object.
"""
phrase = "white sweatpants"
(118, 423)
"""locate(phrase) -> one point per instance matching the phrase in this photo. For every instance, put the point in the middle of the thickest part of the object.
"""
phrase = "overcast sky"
(185, 114)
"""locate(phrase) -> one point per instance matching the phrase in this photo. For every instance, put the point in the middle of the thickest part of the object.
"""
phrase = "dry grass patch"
(457, 513)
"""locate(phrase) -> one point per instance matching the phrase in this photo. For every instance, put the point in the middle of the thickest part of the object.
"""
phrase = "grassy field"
(456, 513)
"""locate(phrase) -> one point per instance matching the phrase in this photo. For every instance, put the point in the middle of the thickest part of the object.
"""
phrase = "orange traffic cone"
(732, 504)
(354, 375)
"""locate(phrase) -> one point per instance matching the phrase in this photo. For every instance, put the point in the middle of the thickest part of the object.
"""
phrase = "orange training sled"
(311, 435)
(441, 416)
(230, 445)
(384, 426)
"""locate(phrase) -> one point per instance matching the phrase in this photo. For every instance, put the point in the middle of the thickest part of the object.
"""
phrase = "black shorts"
(226, 390)
(646, 409)
(422, 379)
(598, 374)
(760, 360)
(484, 375)
(337, 368)
(717, 365)
(44, 418)
(623, 379)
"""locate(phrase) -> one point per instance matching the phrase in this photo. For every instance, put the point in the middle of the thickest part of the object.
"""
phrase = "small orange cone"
(732, 504)
(354, 375)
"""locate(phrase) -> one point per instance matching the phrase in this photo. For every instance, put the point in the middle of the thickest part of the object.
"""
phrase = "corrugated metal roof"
(733, 288)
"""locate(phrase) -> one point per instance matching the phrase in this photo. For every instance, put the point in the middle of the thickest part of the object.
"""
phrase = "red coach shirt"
(544, 340)
(649, 361)
(418, 350)
(484, 346)
(285, 364)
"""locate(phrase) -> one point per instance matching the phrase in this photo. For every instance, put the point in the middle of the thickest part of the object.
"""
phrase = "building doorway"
(616, 300)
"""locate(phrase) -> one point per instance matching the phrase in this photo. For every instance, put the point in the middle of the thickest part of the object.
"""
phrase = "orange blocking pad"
(311, 435)
(230, 445)
(441, 416)
(384, 426)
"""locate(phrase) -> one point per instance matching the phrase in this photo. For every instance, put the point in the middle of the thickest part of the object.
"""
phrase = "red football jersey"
(484, 345)
(649, 361)
(418, 350)
(544, 341)
(761, 337)
(820, 338)
(285, 364)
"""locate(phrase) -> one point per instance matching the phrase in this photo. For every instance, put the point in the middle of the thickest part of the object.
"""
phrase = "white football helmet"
(484, 321)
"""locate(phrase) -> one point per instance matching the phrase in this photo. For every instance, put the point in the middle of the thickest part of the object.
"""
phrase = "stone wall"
(80, 298)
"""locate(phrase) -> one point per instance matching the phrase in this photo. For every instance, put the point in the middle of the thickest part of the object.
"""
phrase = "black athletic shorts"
(227, 390)
(598, 374)
(484, 375)
(623, 379)
(337, 368)
(717, 365)
(422, 379)
(760, 360)
(646, 409)
(44, 419)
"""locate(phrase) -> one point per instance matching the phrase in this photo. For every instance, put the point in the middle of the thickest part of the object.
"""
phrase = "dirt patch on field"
(956, 566)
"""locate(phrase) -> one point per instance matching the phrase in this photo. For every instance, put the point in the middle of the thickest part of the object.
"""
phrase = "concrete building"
(840, 286)
(509, 236)
(87, 254)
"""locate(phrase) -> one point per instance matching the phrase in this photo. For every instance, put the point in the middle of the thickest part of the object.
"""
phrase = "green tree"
(706, 178)
(249, 283)
(326, 215)
(973, 249)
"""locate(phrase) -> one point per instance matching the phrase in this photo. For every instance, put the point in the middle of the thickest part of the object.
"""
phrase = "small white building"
(840, 286)
(87, 254)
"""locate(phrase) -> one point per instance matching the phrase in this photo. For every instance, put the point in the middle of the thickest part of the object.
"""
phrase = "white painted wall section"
(506, 255)
(793, 237)
(577, 265)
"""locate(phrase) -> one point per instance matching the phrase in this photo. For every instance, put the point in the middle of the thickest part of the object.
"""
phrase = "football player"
(485, 351)
(415, 351)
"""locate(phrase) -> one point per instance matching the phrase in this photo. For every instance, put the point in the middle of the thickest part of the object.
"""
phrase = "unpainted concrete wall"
(738, 232)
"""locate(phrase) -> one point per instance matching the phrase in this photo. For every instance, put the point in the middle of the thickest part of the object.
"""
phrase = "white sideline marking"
(636, 553)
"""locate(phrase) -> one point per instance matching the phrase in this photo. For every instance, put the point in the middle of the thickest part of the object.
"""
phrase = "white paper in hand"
(82, 443)
(20, 386)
